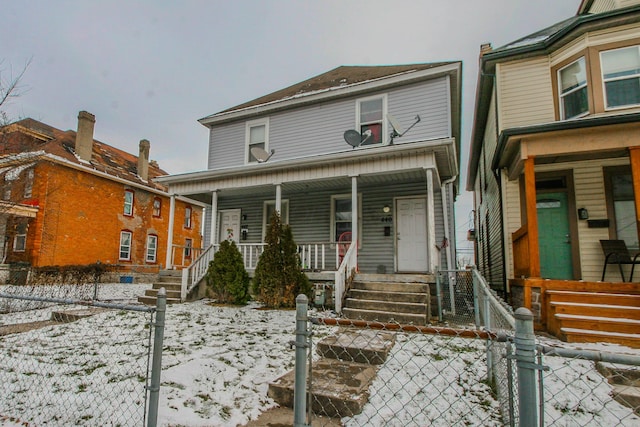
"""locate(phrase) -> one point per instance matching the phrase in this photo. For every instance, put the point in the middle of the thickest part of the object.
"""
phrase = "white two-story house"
(367, 155)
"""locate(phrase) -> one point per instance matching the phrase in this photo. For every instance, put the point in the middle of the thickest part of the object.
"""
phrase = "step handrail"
(195, 272)
(348, 267)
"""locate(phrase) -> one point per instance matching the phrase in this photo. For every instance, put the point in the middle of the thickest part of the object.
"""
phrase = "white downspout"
(445, 213)
(172, 213)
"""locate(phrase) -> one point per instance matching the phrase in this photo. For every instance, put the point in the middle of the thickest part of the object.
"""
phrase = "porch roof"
(386, 164)
(607, 136)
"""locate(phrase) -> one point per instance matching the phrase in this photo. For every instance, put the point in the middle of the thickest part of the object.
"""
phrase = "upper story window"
(187, 217)
(370, 115)
(257, 136)
(572, 83)
(128, 202)
(621, 76)
(157, 206)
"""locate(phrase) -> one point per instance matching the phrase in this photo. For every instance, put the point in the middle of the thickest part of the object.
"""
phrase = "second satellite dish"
(397, 130)
(261, 155)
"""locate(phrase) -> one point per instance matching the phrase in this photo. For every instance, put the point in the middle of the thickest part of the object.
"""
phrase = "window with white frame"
(128, 203)
(572, 84)
(152, 248)
(342, 219)
(371, 119)
(187, 217)
(28, 185)
(269, 209)
(621, 76)
(257, 136)
(19, 242)
(157, 207)
(125, 245)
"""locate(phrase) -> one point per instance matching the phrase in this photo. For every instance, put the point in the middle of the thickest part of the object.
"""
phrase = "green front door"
(554, 236)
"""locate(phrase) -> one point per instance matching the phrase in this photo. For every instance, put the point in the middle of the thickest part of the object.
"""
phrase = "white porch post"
(214, 217)
(431, 224)
(354, 209)
(278, 199)
(172, 213)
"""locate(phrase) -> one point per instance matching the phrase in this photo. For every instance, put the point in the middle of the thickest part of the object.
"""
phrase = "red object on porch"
(344, 241)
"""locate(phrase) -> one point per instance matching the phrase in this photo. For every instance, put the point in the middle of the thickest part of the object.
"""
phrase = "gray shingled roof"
(336, 78)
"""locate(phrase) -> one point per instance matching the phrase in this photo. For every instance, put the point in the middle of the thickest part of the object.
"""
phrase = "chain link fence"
(75, 361)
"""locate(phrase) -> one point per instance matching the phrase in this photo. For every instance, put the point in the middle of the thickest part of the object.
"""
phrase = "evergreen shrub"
(226, 277)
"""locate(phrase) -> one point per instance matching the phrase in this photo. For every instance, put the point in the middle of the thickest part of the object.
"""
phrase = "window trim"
(609, 172)
(120, 246)
(154, 259)
(130, 204)
(332, 217)
(153, 207)
(604, 81)
(23, 237)
(28, 186)
(586, 86)
(247, 138)
(385, 127)
(188, 218)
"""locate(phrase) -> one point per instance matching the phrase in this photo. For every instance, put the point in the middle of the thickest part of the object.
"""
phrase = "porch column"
(278, 199)
(634, 157)
(172, 213)
(354, 209)
(532, 217)
(431, 224)
(214, 218)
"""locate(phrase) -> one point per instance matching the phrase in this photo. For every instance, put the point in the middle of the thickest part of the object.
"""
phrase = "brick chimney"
(485, 48)
(84, 136)
(143, 159)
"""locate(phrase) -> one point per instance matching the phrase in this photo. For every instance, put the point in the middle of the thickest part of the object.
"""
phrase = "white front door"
(229, 225)
(411, 226)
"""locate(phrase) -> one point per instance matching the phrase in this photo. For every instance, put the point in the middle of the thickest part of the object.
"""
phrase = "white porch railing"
(320, 256)
(348, 266)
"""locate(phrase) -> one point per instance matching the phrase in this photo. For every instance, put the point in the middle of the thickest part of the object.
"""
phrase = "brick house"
(69, 199)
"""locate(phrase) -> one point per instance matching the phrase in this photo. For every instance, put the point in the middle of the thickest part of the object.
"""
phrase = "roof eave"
(453, 67)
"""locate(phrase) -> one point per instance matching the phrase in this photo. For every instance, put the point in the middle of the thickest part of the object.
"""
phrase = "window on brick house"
(19, 242)
(125, 245)
(188, 244)
(152, 248)
(28, 185)
(157, 207)
(187, 217)
(128, 202)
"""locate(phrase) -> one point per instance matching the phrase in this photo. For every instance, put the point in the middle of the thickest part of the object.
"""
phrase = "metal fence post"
(300, 384)
(476, 297)
(156, 363)
(439, 295)
(525, 342)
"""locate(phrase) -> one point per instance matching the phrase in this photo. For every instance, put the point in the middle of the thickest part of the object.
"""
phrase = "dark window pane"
(575, 103)
(623, 92)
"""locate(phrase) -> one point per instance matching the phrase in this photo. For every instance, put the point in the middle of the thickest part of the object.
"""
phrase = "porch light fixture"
(386, 209)
(583, 213)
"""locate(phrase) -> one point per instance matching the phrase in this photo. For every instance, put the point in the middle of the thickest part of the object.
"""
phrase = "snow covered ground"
(218, 362)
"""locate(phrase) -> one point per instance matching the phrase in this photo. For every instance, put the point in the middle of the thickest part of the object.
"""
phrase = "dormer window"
(370, 115)
(621, 76)
(572, 81)
(257, 135)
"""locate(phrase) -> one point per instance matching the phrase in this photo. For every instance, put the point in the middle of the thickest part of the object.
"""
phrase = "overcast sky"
(150, 69)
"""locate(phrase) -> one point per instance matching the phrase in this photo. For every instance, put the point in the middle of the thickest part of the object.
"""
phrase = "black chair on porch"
(616, 252)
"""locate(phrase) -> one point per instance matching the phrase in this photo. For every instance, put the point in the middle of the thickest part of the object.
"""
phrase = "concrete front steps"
(397, 298)
(341, 377)
(577, 316)
(171, 280)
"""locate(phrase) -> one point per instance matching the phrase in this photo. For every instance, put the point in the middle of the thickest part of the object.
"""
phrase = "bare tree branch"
(10, 88)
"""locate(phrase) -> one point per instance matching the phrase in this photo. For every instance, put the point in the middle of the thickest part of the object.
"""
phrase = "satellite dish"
(355, 139)
(397, 130)
(261, 155)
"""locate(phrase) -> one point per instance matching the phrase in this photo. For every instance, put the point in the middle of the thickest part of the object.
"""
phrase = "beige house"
(555, 157)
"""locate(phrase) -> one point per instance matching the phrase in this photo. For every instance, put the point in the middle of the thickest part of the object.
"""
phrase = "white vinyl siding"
(319, 128)
(525, 93)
